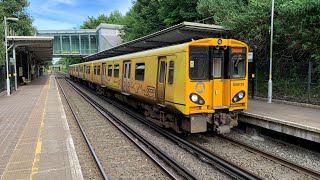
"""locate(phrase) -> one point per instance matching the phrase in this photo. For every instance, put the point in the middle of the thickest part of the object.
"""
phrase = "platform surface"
(299, 116)
(35, 140)
(293, 120)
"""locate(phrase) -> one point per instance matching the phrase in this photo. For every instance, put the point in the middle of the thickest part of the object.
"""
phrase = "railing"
(292, 81)
(75, 52)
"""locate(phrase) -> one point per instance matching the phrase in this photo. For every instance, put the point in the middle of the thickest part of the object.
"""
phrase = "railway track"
(224, 166)
(133, 136)
(284, 162)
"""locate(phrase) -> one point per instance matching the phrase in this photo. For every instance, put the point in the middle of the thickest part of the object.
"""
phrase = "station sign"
(250, 57)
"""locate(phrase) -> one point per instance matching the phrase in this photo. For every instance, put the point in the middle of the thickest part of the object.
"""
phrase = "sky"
(70, 14)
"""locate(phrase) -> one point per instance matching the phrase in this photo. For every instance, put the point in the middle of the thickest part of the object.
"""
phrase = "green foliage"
(91, 22)
(174, 12)
(148, 16)
(15, 8)
(68, 61)
(296, 26)
(142, 19)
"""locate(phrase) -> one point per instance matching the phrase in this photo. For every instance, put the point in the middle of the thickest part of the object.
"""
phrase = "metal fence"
(2, 78)
(292, 81)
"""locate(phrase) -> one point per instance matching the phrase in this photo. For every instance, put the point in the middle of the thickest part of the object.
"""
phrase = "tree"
(15, 8)
(296, 26)
(91, 22)
(174, 12)
(148, 16)
(142, 19)
(66, 61)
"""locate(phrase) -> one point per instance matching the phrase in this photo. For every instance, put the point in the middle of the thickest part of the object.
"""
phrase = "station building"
(28, 54)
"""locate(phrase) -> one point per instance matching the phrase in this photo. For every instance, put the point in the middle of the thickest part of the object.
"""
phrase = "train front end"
(217, 84)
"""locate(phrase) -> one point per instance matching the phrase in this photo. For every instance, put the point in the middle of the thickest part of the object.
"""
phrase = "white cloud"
(69, 14)
(46, 24)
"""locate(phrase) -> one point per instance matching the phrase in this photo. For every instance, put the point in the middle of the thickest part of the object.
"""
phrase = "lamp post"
(270, 68)
(6, 45)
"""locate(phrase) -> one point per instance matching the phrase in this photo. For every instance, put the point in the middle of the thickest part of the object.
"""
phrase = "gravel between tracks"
(255, 163)
(193, 164)
(119, 156)
(299, 155)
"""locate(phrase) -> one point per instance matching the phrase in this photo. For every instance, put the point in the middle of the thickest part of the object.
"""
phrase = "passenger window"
(116, 70)
(109, 70)
(98, 70)
(139, 75)
(95, 70)
(171, 72)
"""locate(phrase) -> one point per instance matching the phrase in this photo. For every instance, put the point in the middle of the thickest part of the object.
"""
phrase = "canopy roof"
(180, 33)
(40, 46)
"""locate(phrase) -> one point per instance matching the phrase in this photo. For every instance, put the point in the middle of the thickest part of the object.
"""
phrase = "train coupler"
(223, 122)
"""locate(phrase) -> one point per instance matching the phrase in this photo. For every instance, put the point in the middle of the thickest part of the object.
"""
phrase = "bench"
(25, 81)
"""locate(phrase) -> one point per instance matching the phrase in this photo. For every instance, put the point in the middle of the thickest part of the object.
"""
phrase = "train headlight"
(240, 95)
(196, 98)
(235, 99)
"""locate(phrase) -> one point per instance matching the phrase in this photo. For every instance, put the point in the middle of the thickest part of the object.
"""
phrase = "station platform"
(35, 140)
(302, 122)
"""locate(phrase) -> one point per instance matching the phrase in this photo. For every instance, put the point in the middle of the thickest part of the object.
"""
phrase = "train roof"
(181, 33)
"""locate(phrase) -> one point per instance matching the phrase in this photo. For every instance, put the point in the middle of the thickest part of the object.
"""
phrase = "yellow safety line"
(37, 154)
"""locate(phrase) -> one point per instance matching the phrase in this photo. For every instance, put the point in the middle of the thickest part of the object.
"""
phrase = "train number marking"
(238, 84)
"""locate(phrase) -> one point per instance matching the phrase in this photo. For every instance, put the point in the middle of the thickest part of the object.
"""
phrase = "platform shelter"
(28, 55)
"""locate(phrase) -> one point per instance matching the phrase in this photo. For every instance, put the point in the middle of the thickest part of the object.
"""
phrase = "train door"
(104, 69)
(161, 82)
(126, 76)
(84, 71)
(218, 81)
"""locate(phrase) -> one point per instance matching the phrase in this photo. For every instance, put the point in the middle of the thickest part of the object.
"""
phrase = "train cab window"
(139, 73)
(171, 72)
(116, 70)
(98, 70)
(109, 70)
(238, 62)
(199, 62)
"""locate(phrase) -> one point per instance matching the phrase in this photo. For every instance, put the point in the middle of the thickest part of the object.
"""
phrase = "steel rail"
(282, 161)
(103, 173)
(223, 165)
(116, 121)
(227, 167)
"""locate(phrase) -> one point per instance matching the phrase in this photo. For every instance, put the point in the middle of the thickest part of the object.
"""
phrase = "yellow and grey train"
(197, 86)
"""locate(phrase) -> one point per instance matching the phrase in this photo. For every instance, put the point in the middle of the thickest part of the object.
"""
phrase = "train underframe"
(220, 122)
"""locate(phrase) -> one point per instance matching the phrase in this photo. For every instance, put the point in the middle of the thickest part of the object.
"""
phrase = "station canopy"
(181, 33)
(40, 46)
